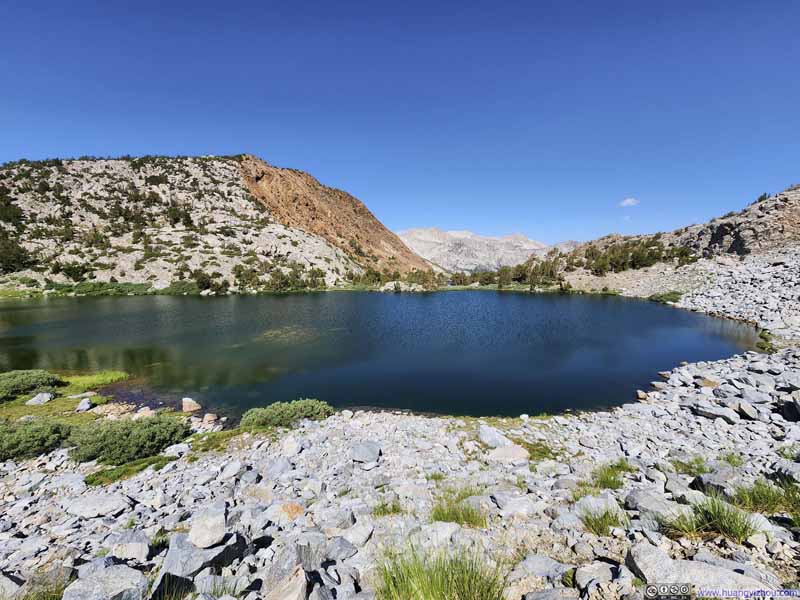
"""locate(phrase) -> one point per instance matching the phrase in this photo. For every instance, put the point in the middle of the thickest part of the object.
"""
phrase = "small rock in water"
(189, 405)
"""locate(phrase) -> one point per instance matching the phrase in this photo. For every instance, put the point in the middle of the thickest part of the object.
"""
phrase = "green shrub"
(13, 257)
(14, 383)
(28, 439)
(284, 414)
(120, 442)
(458, 576)
(666, 297)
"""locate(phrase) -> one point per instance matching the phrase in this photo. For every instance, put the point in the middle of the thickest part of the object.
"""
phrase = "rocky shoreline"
(592, 505)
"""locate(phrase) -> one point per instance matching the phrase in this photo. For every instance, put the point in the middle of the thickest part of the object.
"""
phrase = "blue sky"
(533, 117)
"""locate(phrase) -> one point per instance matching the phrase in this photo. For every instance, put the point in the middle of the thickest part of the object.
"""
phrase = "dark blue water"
(476, 353)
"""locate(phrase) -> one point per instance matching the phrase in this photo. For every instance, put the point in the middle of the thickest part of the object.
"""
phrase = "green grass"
(214, 441)
(584, 489)
(386, 509)
(600, 523)
(451, 508)
(52, 591)
(78, 384)
(456, 576)
(107, 476)
(435, 477)
(733, 459)
(695, 466)
(537, 451)
(790, 452)
(61, 408)
(666, 297)
(769, 499)
(708, 518)
(160, 541)
(609, 476)
(765, 344)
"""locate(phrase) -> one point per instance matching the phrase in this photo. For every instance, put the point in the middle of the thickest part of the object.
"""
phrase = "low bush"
(120, 442)
(666, 297)
(285, 414)
(457, 576)
(14, 383)
(28, 439)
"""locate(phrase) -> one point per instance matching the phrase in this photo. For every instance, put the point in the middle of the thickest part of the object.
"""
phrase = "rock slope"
(307, 510)
(156, 220)
(467, 251)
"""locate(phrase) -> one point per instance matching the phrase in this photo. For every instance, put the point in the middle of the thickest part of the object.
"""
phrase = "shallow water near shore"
(464, 353)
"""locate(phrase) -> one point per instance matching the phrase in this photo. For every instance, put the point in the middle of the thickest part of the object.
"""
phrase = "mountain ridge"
(464, 250)
(234, 221)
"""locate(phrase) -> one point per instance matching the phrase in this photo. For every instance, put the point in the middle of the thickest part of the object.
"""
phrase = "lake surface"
(468, 353)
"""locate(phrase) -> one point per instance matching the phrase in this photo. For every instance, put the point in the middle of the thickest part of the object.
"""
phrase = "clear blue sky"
(539, 117)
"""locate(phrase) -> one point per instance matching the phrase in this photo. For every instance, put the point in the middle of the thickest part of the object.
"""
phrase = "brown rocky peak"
(296, 199)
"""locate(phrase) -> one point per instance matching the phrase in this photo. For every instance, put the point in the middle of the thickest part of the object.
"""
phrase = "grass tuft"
(708, 518)
(108, 476)
(451, 508)
(386, 509)
(609, 476)
(733, 459)
(600, 523)
(458, 576)
(695, 466)
(537, 451)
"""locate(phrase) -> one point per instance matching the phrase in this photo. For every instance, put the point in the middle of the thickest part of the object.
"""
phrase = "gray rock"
(39, 399)
(209, 527)
(186, 560)
(654, 566)
(366, 452)
(716, 412)
(294, 587)
(84, 405)
(131, 545)
(119, 582)
(9, 585)
(597, 572)
(90, 506)
(537, 565)
(492, 437)
(340, 549)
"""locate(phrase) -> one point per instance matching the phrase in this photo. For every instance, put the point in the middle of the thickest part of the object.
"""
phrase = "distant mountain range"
(470, 252)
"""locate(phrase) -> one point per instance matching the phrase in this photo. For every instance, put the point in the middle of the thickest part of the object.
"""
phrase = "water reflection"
(465, 352)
